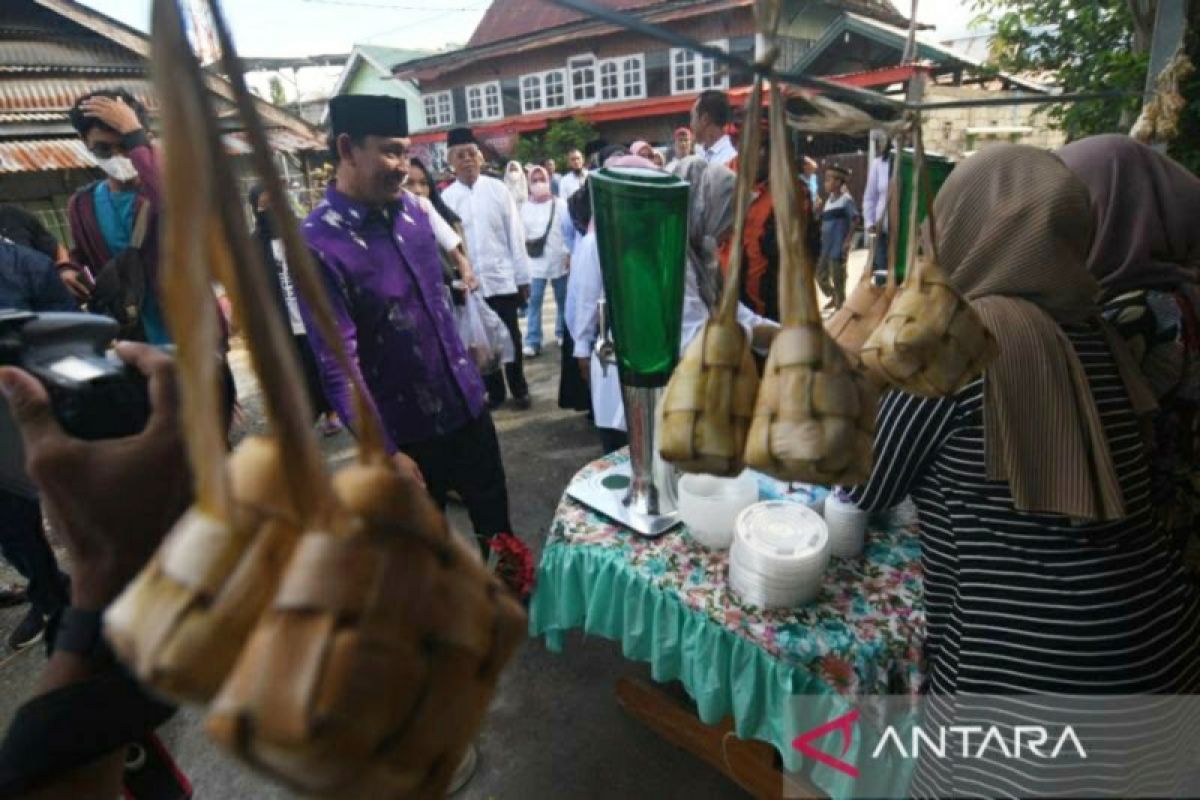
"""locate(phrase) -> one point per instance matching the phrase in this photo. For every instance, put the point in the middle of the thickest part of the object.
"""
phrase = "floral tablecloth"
(779, 673)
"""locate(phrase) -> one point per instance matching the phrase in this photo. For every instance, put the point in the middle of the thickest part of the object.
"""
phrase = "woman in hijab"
(549, 236)
(1045, 570)
(1146, 255)
(514, 179)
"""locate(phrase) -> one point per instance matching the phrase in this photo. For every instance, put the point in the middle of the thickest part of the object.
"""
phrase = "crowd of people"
(1053, 528)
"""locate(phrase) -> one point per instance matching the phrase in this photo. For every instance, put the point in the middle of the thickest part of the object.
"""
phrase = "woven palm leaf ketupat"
(709, 400)
(931, 343)
(372, 668)
(181, 622)
(375, 664)
(815, 415)
(852, 324)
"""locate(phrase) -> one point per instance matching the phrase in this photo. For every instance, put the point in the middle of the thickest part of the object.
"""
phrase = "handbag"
(120, 290)
(535, 247)
(851, 325)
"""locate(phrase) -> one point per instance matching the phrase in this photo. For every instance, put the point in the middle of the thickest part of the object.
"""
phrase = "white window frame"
(483, 95)
(608, 72)
(619, 70)
(533, 95)
(581, 63)
(639, 91)
(563, 90)
(443, 109)
(702, 72)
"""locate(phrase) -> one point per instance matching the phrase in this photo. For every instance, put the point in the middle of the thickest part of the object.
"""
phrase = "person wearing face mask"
(102, 215)
(549, 236)
(575, 177)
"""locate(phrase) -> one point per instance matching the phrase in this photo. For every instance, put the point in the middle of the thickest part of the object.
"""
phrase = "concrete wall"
(947, 131)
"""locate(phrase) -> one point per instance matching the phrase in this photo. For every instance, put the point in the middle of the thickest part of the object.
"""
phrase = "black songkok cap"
(368, 115)
(460, 136)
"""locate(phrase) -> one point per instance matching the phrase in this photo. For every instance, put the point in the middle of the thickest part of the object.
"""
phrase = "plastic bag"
(483, 333)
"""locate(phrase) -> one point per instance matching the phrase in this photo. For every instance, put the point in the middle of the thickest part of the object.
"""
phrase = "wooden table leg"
(750, 764)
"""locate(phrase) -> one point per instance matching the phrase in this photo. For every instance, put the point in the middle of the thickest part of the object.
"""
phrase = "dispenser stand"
(641, 493)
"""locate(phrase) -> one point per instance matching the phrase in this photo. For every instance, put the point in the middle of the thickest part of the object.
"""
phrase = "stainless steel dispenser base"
(606, 492)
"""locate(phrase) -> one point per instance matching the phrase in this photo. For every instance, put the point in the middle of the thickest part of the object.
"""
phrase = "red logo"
(844, 724)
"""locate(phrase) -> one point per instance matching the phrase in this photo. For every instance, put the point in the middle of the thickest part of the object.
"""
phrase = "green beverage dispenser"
(939, 169)
(641, 218)
(641, 233)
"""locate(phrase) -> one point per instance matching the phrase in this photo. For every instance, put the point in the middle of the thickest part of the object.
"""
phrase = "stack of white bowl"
(710, 506)
(779, 554)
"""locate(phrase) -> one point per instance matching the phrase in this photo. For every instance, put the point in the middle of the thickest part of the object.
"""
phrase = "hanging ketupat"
(376, 646)
(182, 621)
(931, 342)
(709, 400)
(815, 415)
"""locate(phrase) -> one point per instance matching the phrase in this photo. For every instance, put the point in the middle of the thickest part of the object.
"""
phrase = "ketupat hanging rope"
(815, 415)
(709, 400)
(931, 342)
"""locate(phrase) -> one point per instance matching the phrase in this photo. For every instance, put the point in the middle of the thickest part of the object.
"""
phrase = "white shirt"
(288, 288)
(447, 238)
(585, 288)
(875, 197)
(721, 152)
(494, 233)
(569, 184)
(552, 263)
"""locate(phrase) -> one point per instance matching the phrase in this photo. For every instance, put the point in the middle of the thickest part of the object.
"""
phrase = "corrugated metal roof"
(507, 19)
(65, 52)
(44, 94)
(43, 155)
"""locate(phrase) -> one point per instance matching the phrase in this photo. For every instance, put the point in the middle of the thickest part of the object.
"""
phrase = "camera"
(93, 393)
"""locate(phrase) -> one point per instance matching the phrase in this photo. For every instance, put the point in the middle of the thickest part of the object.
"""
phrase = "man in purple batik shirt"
(379, 258)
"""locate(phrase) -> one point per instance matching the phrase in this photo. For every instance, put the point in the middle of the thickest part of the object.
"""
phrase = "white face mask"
(119, 168)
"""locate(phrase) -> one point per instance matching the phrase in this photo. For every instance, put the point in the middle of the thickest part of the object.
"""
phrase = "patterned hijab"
(1146, 209)
(1014, 230)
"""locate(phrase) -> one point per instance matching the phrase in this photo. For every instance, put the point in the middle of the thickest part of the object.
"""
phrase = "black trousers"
(312, 375)
(505, 305)
(23, 542)
(468, 461)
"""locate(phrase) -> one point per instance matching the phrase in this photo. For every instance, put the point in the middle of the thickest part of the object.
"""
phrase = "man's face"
(575, 160)
(103, 143)
(550, 166)
(377, 167)
(467, 162)
(683, 144)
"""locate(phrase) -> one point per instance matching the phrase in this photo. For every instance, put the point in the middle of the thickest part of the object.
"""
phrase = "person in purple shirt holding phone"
(379, 257)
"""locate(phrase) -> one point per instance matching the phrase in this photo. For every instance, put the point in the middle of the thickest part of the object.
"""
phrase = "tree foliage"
(1092, 45)
(278, 95)
(560, 137)
(1086, 45)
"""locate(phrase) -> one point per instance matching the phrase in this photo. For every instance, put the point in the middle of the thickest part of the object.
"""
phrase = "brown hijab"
(1146, 209)
(1014, 229)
